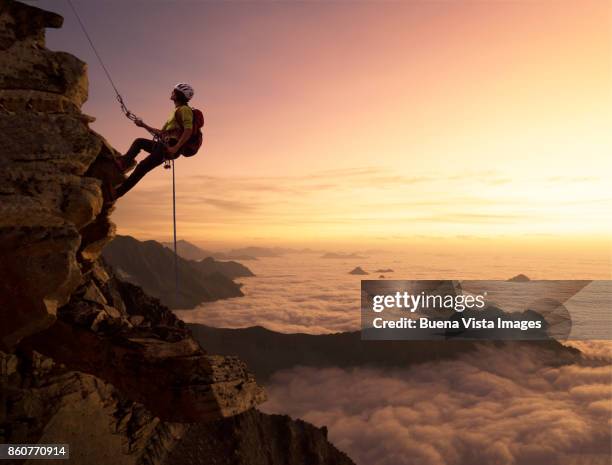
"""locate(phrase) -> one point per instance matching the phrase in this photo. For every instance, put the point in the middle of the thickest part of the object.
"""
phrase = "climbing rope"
(131, 116)
(175, 254)
(124, 108)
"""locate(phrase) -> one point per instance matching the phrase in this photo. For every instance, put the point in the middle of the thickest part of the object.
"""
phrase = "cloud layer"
(492, 407)
(309, 294)
(289, 298)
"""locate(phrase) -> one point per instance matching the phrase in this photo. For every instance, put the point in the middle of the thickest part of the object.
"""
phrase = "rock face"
(245, 438)
(46, 199)
(82, 354)
(43, 402)
(113, 330)
(55, 222)
(151, 265)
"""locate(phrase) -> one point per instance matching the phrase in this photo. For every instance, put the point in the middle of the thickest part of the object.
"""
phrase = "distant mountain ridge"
(150, 265)
(267, 352)
(342, 255)
(358, 270)
(190, 251)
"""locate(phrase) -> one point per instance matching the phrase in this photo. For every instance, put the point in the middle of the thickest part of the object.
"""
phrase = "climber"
(168, 143)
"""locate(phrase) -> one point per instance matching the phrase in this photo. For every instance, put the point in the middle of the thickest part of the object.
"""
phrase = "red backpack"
(193, 144)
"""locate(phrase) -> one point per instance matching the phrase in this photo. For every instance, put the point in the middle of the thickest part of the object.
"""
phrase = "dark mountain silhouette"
(150, 265)
(231, 269)
(341, 255)
(258, 252)
(266, 352)
(232, 256)
(358, 270)
(519, 278)
(189, 251)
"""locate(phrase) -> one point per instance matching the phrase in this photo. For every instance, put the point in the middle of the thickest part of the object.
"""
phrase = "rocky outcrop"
(115, 331)
(46, 199)
(85, 358)
(55, 222)
(257, 439)
(43, 402)
(151, 265)
(54, 225)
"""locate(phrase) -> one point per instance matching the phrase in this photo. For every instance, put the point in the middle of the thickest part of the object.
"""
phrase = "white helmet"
(184, 89)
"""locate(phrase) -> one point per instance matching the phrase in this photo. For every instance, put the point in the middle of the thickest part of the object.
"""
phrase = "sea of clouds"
(493, 406)
(305, 293)
(289, 297)
(503, 407)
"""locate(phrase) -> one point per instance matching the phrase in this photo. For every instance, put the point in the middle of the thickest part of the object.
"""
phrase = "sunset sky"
(363, 123)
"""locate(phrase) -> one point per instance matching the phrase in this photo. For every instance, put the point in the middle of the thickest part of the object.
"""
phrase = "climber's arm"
(140, 123)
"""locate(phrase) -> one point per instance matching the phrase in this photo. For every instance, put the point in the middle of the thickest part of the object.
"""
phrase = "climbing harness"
(168, 163)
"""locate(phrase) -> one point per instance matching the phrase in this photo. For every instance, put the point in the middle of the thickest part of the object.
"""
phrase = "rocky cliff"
(85, 358)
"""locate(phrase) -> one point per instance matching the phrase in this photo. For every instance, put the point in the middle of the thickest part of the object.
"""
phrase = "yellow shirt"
(186, 115)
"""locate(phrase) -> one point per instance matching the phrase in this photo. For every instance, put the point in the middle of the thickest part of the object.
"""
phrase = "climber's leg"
(138, 145)
(156, 158)
(125, 162)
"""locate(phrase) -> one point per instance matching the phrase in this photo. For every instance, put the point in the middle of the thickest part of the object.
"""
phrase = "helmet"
(184, 89)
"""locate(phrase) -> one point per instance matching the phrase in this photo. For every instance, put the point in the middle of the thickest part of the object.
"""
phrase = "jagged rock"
(45, 403)
(99, 339)
(29, 294)
(45, 198)
(56, 297)
(93, 294)
(86, 359)
(254, 438)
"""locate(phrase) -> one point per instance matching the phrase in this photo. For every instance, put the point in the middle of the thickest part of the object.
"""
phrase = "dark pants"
(157, 154)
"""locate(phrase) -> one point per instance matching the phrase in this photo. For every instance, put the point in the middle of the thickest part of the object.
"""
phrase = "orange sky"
(366, 123)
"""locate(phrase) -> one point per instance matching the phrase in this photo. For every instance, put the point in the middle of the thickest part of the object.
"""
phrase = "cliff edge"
(83, 354)
(55, 222)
